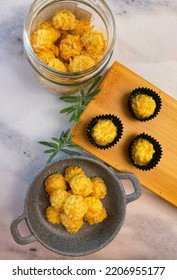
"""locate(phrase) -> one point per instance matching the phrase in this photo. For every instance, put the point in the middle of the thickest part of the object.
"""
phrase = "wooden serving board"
(115, 89)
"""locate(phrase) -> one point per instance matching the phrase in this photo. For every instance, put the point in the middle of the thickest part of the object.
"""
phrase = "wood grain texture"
(115, 89)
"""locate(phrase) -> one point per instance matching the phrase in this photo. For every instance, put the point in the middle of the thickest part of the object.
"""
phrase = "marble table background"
(147, 44)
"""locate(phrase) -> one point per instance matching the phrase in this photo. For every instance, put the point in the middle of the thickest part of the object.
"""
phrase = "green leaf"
(51, 157)
(65, 110)
(49, 144)
(55, 139)
(69, 152)
(69, 99)
(96, 82)
(50, 151)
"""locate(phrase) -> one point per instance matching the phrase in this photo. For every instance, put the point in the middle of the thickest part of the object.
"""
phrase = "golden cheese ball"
(55, 182)
(81, 63)
(43, 37)
(64, 19)
(143, 105)
(81, 26)
(104, 132)
(55, 50)
(96, 213)
(142, 151)
(45, 56)
(75, 207)
(99, 188)
(70, 47)
(57, 199)
(57, 64)
(94, 42)
(71, 225)
(52, 215)
(81, 185)
(72, 170)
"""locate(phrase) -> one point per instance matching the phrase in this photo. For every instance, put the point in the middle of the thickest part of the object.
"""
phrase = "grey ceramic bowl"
(90, 238)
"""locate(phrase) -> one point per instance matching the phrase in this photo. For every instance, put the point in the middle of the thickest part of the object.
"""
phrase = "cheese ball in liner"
(57, 199)
(142, 151)
(52, 215)
(143, 105)
(75, 207)
(96, 213)
(64, 19)
(44, 37)
(104, 132)
(71, 225)
(55, 182)
(99, 188)
(72, 170)
(81, 185)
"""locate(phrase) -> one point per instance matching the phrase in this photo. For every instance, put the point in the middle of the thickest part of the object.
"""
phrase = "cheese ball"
(143, 105)
(45, 56)
(104, 132)
(55, 182)
(72, 170)
(56, 64)
(81, 185)
(75, 207)
(81, 63)
(99, 188)
(70, 47)
(94, 42)
(52, 215)
(44, 37)
(57, 199)
(142, 151)
(71, 225)
(82, 26)
(64, 19)
(96, 213)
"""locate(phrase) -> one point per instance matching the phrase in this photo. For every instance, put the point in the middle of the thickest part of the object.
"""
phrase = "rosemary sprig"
(60, 144)
(80, 101)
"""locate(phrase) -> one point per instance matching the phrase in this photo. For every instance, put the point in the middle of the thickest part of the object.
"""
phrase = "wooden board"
(115, 89)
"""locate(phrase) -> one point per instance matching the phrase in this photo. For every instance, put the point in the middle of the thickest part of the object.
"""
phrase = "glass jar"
(69, 82)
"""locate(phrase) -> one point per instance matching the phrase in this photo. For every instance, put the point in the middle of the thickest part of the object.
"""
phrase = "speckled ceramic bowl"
(90, 238)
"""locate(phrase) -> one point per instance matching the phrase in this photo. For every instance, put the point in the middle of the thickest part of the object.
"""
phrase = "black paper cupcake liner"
(156, 156)
(116, 121)
(149, 92)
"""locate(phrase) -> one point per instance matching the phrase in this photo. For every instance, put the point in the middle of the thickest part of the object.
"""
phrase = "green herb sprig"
(80, 101)
(60, 144)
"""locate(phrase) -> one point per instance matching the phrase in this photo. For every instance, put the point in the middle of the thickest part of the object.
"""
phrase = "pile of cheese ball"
(67, 44)
(75, 198)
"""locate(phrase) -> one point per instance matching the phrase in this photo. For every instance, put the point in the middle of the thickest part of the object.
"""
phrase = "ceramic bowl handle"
(16, 234)
(135, 182)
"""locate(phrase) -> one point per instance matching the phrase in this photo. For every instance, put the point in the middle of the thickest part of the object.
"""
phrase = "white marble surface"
(147, 44)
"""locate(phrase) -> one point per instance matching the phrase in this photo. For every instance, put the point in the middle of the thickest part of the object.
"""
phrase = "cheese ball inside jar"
(69, 30)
